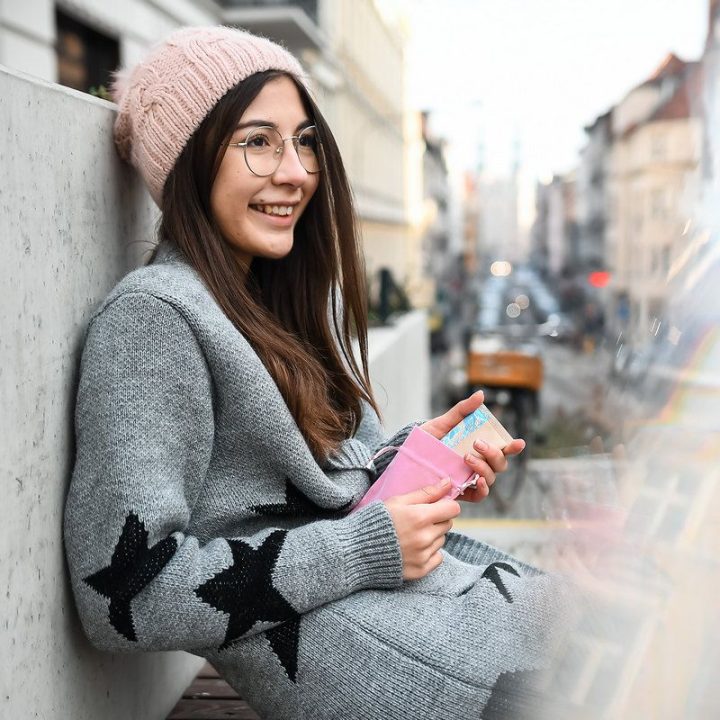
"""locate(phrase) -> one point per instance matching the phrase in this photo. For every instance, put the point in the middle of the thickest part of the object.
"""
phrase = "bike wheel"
(516, 417)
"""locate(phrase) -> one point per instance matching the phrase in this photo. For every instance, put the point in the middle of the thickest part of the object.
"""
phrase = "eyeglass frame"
(243, 144)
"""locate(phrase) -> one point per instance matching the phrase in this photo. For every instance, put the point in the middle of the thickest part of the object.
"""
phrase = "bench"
(209, 697)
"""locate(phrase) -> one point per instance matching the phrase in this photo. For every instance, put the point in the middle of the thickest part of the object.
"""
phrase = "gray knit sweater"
(198, 519)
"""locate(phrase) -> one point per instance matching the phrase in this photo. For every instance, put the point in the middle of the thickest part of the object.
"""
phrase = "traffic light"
(599, 278)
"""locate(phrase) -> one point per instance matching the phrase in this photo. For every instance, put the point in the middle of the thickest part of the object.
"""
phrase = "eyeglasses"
(264, 148)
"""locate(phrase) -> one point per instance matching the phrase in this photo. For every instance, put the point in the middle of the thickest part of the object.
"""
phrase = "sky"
(510, 79)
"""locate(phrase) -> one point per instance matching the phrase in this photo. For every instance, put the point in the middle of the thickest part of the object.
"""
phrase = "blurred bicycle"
(508, 367)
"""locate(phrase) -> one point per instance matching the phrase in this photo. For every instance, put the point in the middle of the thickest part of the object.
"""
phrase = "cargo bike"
(509, 370)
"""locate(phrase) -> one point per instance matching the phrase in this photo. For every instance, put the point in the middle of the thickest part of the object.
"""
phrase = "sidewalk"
(582, 382)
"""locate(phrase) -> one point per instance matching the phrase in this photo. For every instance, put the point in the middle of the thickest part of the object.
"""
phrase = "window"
(636, 212)
(658, 206)
(658, 147)
(665, 260)
(85, 57)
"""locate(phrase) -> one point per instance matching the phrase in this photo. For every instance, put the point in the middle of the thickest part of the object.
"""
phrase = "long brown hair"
(283, 307)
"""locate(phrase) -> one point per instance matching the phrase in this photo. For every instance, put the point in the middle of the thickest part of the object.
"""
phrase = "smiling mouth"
(280, 210)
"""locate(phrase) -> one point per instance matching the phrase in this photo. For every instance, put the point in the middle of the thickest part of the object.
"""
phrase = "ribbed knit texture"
(163, 99)
(381, 462)
(197, 519)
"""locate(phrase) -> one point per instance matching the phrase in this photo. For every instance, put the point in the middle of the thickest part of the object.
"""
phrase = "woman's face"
(242, 203)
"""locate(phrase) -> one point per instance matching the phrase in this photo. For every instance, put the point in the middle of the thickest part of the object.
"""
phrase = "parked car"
(560, 327)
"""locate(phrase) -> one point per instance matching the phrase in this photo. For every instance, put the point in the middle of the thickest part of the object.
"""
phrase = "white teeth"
(275, 209)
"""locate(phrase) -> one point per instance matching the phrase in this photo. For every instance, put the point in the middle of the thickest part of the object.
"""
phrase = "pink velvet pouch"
(420, 461)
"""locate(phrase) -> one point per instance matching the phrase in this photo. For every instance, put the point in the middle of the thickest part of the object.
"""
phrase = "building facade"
(439, 258)
(74, 42)
(653, 191)
(592, 199)
(498, 232)
(561, 224)
(709, 213)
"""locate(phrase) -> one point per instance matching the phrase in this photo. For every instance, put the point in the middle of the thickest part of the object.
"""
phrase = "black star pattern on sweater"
(132, 567)
(284, 642)
(492, 573)
(245, 590)
(298, 504)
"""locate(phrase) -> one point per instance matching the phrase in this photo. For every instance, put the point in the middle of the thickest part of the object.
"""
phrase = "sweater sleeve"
(144, 439)
(371, 433)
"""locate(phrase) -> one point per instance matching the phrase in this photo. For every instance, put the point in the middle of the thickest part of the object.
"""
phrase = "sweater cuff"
(380, 463)
(475, 552)
(370, 547)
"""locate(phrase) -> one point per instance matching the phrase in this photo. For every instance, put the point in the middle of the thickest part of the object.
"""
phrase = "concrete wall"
(68, 209)
(399, 358)
(73, 221)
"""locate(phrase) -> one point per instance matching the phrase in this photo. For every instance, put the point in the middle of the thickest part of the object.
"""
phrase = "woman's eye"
(308, 141)
(258, 141)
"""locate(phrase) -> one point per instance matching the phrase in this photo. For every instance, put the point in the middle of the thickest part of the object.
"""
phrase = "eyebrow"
(269, 123)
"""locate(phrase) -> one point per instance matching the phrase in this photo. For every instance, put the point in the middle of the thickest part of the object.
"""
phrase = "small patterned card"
(481, 424)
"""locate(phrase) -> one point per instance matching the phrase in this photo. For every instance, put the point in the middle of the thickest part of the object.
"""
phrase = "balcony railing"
(293, 24)
(310, 7)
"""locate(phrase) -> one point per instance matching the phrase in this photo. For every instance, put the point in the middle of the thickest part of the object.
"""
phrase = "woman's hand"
(421, 519)
(485, 460)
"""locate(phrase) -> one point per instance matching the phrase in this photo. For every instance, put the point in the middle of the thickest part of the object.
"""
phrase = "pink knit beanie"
(165, 97)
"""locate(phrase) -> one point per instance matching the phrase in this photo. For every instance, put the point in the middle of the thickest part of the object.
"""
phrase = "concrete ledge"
(399, 357)
(68, 211)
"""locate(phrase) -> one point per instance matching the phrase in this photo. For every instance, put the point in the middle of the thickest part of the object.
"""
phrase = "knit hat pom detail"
(119, 85)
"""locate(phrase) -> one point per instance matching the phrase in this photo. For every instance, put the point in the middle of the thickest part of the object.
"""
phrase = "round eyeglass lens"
(264, 147)
(308, 150)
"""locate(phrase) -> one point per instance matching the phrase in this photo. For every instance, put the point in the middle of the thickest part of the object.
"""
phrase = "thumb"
(427, 494)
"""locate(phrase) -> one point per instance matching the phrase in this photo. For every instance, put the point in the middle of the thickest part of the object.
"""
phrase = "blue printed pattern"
(469, 425)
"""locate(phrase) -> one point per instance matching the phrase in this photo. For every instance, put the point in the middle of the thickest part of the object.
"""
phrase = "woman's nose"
(290, 169)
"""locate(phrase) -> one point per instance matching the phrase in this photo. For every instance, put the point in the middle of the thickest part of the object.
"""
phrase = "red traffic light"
(599, 279)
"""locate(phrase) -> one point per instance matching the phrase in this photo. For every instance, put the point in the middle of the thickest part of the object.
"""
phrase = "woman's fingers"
(420, 528)
(458, 412)
(514, 448)
(495, 457)
(440, 426)
(433, 563)
(481, 467)
(442, 511)
(444, 526)
(477, 493)
(439, 542)
(425, 495)
(487, 461)
(466, 407)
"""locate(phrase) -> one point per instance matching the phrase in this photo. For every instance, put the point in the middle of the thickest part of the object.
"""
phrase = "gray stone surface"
(399, 360)
(68, 213)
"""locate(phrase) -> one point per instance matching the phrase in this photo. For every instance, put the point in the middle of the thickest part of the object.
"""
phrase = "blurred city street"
(579, 405)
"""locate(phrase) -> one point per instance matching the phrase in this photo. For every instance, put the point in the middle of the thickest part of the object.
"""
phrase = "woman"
(224, 428)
